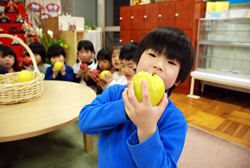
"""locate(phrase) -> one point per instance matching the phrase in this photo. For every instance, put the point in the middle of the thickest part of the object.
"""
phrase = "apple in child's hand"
(104, 72)
(156, 86)
(58, 65)
(95, 72)
(83, 66)
(24, 76)
(27, 61)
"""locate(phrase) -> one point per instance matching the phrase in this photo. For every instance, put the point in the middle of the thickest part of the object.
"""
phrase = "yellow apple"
(24, 76)
(156, 86)
(102, 74)
(58, 65)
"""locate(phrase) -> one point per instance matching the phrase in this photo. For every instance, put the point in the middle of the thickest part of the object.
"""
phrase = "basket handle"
(20, 41)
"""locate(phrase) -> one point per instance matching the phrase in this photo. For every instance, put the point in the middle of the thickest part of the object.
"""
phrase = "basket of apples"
(21, 86)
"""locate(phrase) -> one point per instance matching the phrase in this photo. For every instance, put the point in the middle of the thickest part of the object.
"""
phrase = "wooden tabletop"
(58, 107)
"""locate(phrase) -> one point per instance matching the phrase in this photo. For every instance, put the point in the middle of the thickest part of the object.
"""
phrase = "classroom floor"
(62, 148)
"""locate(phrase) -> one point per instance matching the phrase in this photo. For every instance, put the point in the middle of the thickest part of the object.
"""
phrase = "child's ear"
(177, 83)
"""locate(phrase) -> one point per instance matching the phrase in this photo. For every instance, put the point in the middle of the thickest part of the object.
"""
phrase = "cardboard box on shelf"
(215, 10)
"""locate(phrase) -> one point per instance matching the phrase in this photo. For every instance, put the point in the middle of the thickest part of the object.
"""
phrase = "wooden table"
(58, 107)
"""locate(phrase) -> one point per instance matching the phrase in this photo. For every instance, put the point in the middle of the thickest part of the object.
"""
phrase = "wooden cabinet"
(136, 21)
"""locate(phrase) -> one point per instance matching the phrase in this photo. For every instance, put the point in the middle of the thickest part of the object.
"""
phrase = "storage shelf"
(224, 43)
(218, 57)
(223, 54)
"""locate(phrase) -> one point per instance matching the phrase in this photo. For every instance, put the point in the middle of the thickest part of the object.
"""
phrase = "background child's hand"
(142, 114)
(55, 73)
(63, 69)
(28, 68)
(108, 78)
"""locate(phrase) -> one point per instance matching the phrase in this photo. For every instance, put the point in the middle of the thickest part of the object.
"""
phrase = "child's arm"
(101, 114)
(49, 75)
(67, 73)
(161, 132)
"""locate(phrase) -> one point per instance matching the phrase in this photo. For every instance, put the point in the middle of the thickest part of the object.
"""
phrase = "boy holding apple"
(137, 134)
(59, 70)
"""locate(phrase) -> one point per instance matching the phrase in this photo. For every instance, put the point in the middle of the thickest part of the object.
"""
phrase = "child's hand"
(108, 78)
(28, 68)
(63, 69)
(80, 73)
(55, 73)
(142, 114)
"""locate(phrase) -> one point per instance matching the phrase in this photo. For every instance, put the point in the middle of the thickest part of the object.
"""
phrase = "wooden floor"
(222, 112)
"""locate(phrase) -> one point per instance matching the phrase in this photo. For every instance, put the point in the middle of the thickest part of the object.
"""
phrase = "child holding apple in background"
(85, 53)
(40, 55)
(137, 134)
(9, 59)
(63, 72)
(117, 76)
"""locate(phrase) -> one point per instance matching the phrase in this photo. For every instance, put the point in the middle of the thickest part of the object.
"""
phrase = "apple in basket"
(156, 86)
(27, 61)
(83, 66)
(24, 76)
(58, 65)
(102, 77)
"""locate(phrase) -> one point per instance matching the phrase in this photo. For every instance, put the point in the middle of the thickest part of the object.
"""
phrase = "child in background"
(40, 55)
(85, 53)
(128, 66)
(147, 136)
(3, 70)
(56, 53)
(117, 76)
(9, 59)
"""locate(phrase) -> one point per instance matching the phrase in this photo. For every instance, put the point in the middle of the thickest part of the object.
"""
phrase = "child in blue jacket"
(133, 133)
(56, 53)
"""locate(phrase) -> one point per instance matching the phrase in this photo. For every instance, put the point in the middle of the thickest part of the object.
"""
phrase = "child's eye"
(152, 55)
(170, 62)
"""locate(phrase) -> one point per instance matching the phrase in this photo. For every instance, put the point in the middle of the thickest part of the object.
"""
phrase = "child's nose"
(158, 66)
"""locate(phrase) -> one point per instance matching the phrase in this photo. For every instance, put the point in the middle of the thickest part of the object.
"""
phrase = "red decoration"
(52, 7)
(35, 7)
(45, 15)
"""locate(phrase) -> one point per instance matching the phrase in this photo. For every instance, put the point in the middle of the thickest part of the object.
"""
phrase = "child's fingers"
(145, 92)
(131, 94)
(164, 102)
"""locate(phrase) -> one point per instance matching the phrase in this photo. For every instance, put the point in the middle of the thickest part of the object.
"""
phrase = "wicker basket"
(20, 92)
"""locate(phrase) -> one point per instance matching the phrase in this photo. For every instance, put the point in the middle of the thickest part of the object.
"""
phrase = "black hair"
(117, 46)
(104, 54)
(9, 51)
(55, 50)
(174, 44)
(38, 48)
(128, 51)
(86, 45)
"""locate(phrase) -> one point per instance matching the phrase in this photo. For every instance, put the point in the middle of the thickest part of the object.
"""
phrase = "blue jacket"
(118, 144)
(69, 74)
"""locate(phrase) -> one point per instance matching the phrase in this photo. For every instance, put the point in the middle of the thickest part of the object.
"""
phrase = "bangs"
(169, 43)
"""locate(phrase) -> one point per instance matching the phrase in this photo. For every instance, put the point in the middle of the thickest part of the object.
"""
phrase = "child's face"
(155, 63)
(85, 55)
(128, 68)
(104, 64)
(38, 59)
(57, 58)
(8, 61)
(115, 58)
